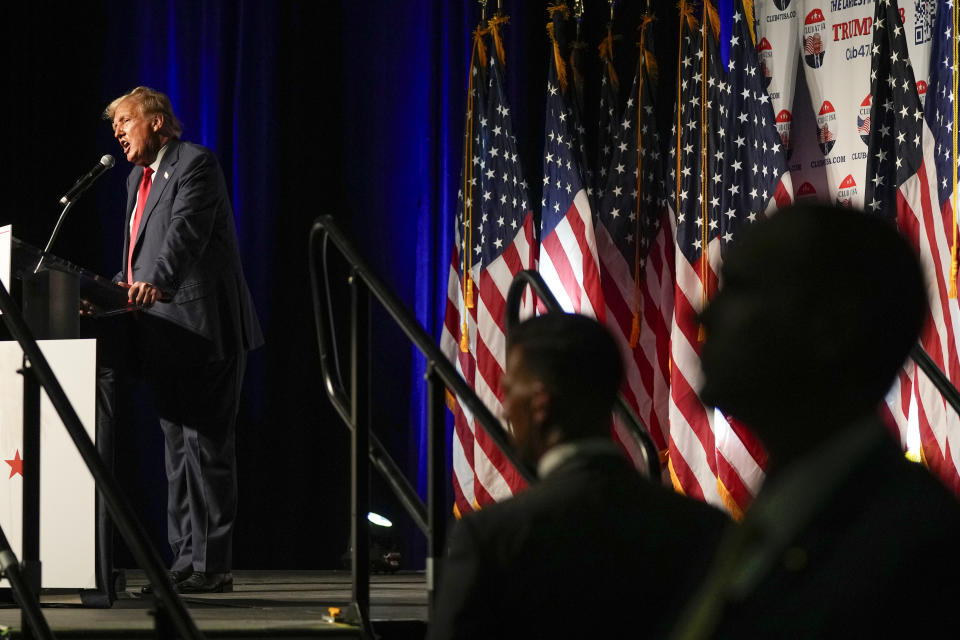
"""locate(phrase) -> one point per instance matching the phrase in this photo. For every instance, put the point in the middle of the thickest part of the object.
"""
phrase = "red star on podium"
(16, 465)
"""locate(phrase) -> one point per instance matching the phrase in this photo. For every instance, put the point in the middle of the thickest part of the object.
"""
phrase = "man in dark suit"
(593, 548)
(182, 265)
(818, 310)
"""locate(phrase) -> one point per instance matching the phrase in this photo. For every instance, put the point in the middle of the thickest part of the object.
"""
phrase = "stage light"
(385, 556)
(379, 520)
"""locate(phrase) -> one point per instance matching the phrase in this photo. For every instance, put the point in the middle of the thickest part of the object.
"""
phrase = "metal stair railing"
(353, 406)
(937, 377)
(637, 429)
(171, 610)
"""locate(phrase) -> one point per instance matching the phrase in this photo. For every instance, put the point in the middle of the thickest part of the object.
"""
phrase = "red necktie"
(142, 194)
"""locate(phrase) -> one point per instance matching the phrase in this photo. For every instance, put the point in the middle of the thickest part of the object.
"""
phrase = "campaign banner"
(807, 168)
(778, 47)
(836, 38)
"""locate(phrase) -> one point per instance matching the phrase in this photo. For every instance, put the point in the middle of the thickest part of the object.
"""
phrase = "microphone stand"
(53, 236)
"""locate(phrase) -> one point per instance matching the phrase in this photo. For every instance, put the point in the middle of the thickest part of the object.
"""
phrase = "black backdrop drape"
(348, 108)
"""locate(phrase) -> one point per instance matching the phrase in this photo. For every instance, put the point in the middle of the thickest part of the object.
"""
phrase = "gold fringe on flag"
(713, 18)
(728, 502)
(561, 7)
(493, 27)
(653, 70)
(748, 14)
(606, 54)
(480, 49)
(558, 59)
(674, 478)
(687, 14)
(635, 326)
(479, 52)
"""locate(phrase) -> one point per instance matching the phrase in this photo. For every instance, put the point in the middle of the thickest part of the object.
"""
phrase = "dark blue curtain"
(349, 108)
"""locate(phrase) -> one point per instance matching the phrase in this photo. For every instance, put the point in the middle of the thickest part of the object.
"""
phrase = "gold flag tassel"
(493, 28)
(479, 53)
(606, 54)
(748, 16)
(649, 62)
(714, 19)
(557, 56)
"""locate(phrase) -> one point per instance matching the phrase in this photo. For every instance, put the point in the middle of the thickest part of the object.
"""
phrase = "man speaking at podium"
(182, 265)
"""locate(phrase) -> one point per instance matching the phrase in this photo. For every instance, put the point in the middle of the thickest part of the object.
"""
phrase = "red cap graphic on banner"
(826, 125)
(806, 190)
(848, 189)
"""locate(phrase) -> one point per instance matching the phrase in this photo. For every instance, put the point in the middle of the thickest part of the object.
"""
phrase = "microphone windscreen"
(107, 160)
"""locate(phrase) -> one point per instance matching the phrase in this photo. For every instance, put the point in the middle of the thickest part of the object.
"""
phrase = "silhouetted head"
(818, 308)
(562, 376)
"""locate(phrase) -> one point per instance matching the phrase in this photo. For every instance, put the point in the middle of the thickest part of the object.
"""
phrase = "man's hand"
(143, 294)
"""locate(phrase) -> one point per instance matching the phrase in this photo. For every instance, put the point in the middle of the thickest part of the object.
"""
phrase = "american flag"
(568, 248)
(635, 244)
(904, 162)
(609, 113)
(494, 242)
(727, 170)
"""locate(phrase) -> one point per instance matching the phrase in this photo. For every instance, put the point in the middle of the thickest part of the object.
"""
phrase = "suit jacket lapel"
(160, 180)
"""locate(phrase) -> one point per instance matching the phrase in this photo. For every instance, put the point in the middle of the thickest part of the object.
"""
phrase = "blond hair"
(150, 102)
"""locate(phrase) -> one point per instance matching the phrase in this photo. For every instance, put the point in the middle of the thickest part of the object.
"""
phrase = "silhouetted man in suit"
(182, 264)
(817, 311)
(593, 548)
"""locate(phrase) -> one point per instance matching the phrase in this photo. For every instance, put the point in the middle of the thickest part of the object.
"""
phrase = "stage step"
(264, 604)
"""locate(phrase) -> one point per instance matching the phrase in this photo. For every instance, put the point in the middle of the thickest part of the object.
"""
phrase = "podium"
(61, 303)
(59, 299)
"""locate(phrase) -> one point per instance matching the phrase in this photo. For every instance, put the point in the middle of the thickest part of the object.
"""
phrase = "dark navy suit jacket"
(592, 551)
(186, 246)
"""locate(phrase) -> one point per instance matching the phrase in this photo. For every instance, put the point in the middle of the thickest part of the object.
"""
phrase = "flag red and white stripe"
(494, 241)
(739, 178)
(902, 169)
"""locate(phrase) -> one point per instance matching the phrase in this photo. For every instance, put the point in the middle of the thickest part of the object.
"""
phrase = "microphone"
(84, 183)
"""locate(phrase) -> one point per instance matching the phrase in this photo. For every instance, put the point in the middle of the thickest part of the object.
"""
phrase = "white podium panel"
(6, 247)
(67, 490)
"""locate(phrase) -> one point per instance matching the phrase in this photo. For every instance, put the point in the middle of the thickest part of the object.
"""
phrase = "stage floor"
(264, 604)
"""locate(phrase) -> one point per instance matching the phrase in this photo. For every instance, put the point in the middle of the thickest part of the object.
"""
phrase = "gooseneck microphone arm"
(71, 196)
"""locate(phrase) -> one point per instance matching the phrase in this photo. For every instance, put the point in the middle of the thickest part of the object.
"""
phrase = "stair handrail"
(532, 279)
(326, 226)
(352, 405)
(939, 379)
